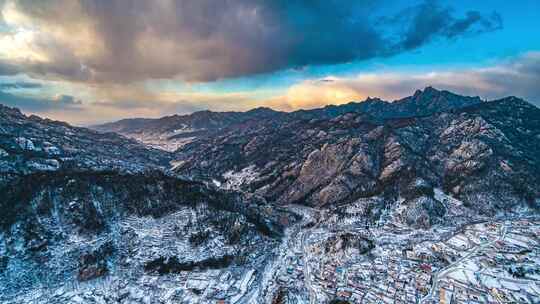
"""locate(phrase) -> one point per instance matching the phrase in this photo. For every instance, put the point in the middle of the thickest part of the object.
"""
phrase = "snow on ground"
(459, 242)
(216, 182)
(164, 141)
(235, 180)
(176, 164)
(453, 205)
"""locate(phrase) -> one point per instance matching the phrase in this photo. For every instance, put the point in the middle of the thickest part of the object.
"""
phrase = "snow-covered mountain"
(271, 207)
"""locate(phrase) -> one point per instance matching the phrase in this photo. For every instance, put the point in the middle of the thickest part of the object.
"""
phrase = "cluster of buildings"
(490, 262)
(504, 268)
(388, 279)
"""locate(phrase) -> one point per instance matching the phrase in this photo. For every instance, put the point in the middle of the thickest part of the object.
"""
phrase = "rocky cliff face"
(483, 153)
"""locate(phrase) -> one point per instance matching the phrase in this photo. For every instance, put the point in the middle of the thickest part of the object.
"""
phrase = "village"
(486, 261)
(495, 262)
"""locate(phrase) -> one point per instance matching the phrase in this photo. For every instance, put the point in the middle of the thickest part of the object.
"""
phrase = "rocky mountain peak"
(429, 101)
(427, 91)
(374, 99)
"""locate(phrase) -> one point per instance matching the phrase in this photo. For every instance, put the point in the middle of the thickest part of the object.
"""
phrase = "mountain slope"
(31, 144)
(484, 153)
(172, 132)
(81, 206)
(481, 152)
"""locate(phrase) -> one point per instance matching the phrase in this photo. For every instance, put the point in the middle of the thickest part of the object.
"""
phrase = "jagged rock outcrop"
(93, 263)
(347, 241)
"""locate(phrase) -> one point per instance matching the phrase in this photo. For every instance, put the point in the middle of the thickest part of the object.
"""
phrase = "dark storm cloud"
(206, 40)
(7, 68)
(429, 20)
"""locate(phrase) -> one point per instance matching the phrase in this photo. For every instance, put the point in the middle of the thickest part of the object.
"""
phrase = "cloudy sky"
(91, 61)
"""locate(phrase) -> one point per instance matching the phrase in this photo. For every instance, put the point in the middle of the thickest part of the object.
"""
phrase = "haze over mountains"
(94, 216)
(178, 128)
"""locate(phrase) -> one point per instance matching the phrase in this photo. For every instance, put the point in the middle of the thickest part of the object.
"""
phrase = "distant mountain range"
(172, 132)
(484, 152)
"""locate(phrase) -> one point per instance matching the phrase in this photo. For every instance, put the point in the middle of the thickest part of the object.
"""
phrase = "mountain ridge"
(369, 100)
(175, 131)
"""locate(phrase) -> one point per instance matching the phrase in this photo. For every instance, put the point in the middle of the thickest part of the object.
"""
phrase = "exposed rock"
(378, 148)
(43, 164)
(93, 264)
(52, 150)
